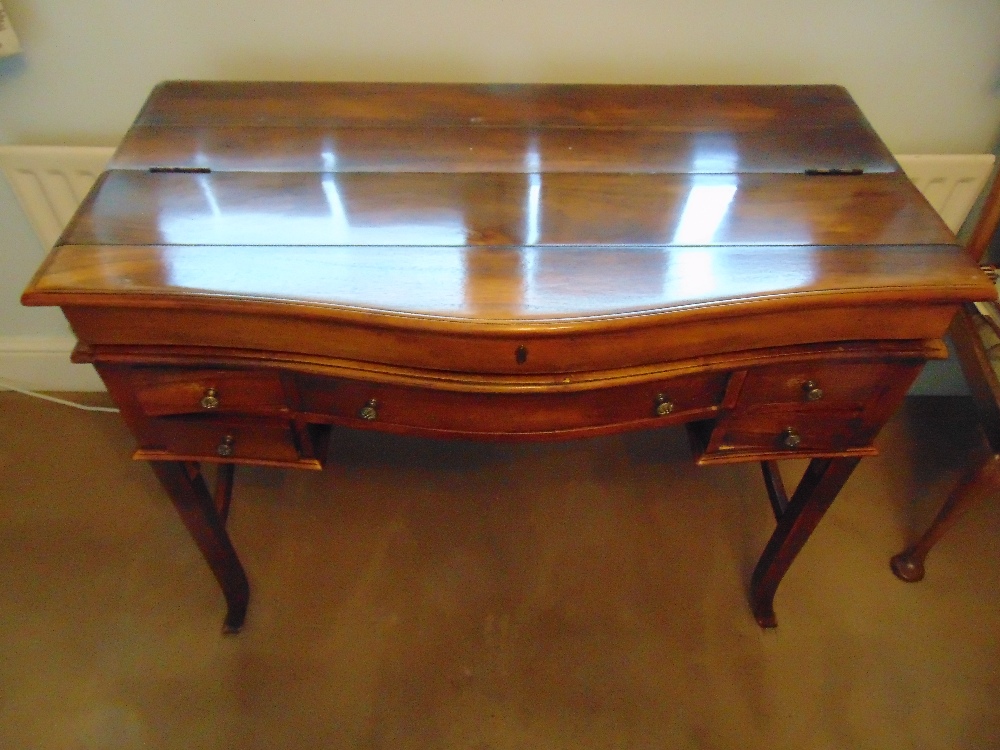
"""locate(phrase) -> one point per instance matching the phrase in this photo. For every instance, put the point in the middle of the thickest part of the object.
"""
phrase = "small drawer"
(786, 433)
(584, 411)
(817, 385)
(165, 391)
(226, 439)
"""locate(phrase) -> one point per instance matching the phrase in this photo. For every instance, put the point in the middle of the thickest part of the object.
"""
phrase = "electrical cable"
(11, 385)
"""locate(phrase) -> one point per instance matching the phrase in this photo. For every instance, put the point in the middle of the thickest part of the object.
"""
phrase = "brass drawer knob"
(812, 391)
(663, 406)
(790, 438)
(369, 411)
(210, 400)
(225, 446)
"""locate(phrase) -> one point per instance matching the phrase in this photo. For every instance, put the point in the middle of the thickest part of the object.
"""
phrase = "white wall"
(926, 72)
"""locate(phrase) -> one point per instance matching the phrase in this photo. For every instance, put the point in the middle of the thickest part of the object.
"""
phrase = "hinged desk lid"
(502, 204)
(366, 127)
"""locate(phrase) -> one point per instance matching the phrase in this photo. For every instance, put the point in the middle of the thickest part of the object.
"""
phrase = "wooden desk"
(264, 260)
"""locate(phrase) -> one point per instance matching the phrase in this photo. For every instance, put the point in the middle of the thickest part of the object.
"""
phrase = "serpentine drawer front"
(263, 261)
(471, 414)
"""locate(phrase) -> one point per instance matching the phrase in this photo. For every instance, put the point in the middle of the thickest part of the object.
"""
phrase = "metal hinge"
(834, 172)
(180, 170)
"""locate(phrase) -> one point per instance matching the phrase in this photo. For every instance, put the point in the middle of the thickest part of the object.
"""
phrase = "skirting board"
(41, 363)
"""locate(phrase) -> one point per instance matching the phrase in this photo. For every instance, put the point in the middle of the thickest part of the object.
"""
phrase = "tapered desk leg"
(184, 483)
(819, 486)
(908, 565)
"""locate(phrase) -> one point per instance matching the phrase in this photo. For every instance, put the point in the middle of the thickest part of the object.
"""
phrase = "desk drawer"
(817, 385)
(789, 433)
(809, 408)
(166, 391)
(422, 409)
(235, 439)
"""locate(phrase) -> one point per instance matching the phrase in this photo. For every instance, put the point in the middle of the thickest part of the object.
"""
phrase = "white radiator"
(950, 182)
(50, 182)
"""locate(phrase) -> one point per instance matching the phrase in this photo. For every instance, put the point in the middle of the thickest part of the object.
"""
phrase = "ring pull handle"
(369, 411)
(210, 400)
(790, 438)
(225, 446)
(812, 391)
(662, 405)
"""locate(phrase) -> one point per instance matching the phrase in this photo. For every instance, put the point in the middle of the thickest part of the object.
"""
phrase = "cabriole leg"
(184, 483)
(908, 565)
(819, 486)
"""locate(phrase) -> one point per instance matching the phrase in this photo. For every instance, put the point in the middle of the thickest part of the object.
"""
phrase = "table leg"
(908, 565)
(184, 483)
(819, 486)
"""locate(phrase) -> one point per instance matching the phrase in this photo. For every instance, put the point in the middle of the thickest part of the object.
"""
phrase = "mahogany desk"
(516, 262)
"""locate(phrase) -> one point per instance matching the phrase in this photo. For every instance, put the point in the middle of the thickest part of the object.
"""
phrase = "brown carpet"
(456, 595)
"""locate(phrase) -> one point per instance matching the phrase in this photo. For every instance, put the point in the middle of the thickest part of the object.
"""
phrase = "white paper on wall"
(8, 39)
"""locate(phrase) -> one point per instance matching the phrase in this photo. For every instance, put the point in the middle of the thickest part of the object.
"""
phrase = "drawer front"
(165, 391)
(221, 439)
(789, 433)
(810, 408)
(817, 385)
(360, 403)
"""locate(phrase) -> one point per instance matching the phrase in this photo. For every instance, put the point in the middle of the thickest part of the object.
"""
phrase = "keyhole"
(521, 355)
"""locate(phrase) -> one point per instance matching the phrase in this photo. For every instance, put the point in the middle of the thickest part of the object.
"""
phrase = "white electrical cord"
(9, 384)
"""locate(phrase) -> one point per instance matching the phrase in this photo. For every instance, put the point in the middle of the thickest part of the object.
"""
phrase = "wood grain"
(500, 209)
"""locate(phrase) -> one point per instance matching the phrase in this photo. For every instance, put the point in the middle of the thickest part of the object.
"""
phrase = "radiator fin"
(51, 181)
(950, 182)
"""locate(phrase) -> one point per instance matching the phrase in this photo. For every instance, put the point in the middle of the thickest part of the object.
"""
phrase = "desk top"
(504, 208)
(398, 127)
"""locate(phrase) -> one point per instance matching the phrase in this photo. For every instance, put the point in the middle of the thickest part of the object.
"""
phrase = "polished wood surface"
(358, 127)
(517, 262)
(540, 209)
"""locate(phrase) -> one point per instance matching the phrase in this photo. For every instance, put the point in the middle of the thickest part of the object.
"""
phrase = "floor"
(456, 595)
